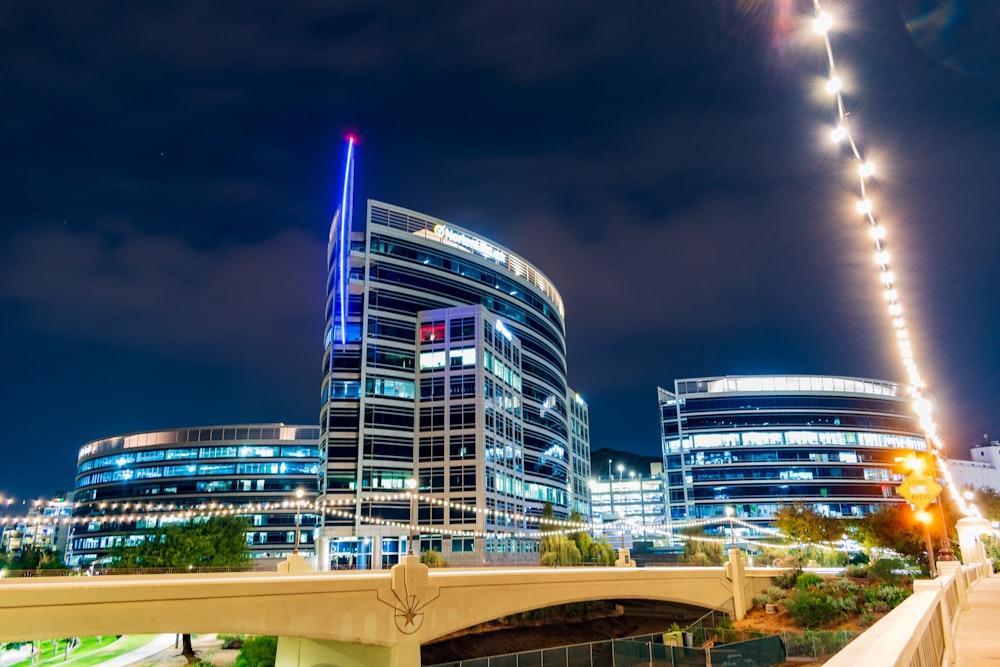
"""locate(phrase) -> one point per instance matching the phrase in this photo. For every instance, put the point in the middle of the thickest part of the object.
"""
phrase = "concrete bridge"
(348, 619)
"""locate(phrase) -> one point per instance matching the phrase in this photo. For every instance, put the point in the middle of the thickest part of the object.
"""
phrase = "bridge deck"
(977, 641)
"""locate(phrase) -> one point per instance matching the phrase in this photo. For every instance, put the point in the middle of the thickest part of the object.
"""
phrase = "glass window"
(432, 332)
(432, 360)
(463, 357)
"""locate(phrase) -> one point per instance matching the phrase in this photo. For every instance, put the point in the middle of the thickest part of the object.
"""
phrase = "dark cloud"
(120, 286)
(170, 172)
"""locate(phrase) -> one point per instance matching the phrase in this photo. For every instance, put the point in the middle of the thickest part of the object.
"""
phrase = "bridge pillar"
(624, 559)
(953, 567)
(301, 652)
(736, 572)
(295, 564)
(322, 551)
(969, 530)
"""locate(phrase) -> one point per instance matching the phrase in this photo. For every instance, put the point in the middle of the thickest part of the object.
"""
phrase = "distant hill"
(638, 462)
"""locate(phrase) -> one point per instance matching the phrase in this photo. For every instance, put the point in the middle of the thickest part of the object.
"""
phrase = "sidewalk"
(158, 644)
(976, 643)
(10, 657)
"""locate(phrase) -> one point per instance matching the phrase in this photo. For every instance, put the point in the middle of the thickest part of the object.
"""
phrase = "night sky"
(169, 172)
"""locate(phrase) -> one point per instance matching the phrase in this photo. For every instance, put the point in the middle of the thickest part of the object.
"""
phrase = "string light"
(823, 23)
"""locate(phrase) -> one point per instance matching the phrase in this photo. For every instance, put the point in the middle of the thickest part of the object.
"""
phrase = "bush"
(888, 595)
(884, 569)
(258, 652)
(856, 571)
(811, 609)
(232, 641)
(815, 643)
(808, 580)
(432, 558)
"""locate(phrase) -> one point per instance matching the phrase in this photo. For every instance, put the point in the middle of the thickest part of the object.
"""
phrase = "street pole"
(411, 484)
(925, 518)
(732, 533)
(611, 488)
(621, 521)
(946, 552)
(298, 517)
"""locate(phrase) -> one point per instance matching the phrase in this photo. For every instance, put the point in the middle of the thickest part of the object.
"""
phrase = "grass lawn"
(90, 652)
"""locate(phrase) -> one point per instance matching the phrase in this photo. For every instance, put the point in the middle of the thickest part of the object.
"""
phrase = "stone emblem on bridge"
(410, 594)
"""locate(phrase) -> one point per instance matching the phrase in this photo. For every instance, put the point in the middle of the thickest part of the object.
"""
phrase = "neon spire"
(346, 218)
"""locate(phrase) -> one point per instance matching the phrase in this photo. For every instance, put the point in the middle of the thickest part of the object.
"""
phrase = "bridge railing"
(921, 631)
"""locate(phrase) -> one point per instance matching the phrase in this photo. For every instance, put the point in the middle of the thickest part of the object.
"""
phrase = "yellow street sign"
(919, 490)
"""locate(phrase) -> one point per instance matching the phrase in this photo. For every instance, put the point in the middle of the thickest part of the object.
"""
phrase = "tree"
(701, 553)
(892, 527)
(217, 542)
(32, 557)
(259, 651)
(803, 524)
(433, 558)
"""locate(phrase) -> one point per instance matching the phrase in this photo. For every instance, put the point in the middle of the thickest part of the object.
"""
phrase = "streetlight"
(946, 553)
(924, 517)
(411, 484)
(611, 489)
(730, 512)
(298, 516)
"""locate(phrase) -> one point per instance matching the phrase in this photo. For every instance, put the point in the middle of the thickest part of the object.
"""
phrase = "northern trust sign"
(476, 245)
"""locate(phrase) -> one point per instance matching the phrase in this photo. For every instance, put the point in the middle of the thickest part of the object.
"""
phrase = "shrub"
(808, 580)
(884, 569)
(788, 578)
(865, 619)
(844, 586)
(432, 558)
(847, 605)
(258, 652)
(232, 641)
(887, 595)
(811, 609)
(856, 571)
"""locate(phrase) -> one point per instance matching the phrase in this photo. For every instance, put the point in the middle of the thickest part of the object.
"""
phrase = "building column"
(322, 550)
(301, 652)
(969, 530)
(736, 573)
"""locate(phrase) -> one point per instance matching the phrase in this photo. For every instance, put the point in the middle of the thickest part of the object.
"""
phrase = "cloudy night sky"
(169, 173)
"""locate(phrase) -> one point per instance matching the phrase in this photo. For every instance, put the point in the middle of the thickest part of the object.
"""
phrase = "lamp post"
(298, 517)
(925, 518)
(946, 553)
(611, 489)
(621, 520)
(411, 484)
(732, 534)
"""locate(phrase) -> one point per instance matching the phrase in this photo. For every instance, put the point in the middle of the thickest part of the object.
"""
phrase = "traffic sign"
(919, 490)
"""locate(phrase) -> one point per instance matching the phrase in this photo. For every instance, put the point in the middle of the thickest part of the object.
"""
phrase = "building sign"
(476, 245)
(919, 490)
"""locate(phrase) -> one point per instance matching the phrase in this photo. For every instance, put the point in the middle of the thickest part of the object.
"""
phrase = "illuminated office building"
(44, 527)
(757, 443)
(194, 469)
(629, 507)
(445, 362)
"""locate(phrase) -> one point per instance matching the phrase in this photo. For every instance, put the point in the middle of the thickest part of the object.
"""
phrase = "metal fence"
(640, 651)
(708, 641)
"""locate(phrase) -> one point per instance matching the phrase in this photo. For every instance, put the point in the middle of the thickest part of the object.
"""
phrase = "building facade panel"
(233, 466)
(382, 286)
(758, 443)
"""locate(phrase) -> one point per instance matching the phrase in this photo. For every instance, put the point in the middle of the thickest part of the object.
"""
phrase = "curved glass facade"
(757, 443)
(391, 291)
(231, 466)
